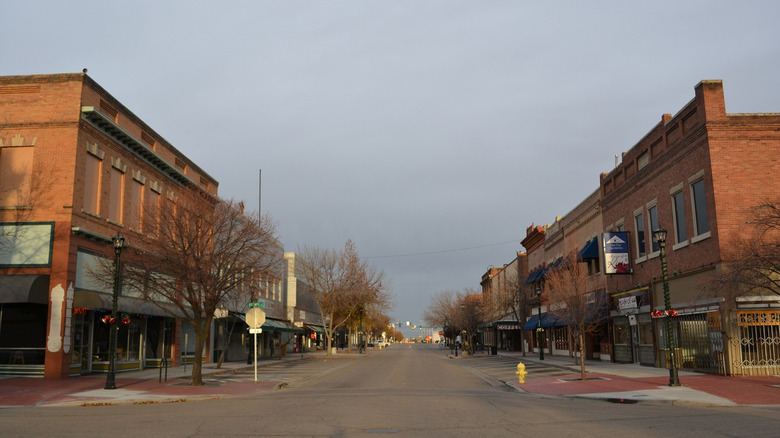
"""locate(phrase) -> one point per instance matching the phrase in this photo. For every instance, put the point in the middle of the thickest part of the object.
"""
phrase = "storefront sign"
(508, 327)
(758, 317)
(627, 303)
(616, 253)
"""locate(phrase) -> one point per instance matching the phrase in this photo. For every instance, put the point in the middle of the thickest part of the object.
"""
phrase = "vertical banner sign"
(616, 253)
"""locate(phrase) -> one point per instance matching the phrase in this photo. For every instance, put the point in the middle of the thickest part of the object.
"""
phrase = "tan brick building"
(696, 174)
(76, 168)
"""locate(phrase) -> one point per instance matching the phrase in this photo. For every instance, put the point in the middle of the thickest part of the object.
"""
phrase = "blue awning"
(548, 320)
(590, 251)
(535, 276)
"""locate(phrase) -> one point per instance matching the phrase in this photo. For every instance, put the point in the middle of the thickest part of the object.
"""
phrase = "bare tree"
(442, 312)
(754, 266)
(204, 251)
(342, 285)
(470, 315)
(568, 298)
(458, 313)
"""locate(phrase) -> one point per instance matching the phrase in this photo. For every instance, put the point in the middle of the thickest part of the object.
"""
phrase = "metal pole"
(255, 355)
(540, 330)
(113, 326)
(674, 378)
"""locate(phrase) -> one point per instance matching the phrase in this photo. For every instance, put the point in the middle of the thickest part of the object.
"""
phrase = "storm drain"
(381, 431)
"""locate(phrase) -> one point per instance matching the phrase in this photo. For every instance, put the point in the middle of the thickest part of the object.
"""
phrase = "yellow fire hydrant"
(521, 372)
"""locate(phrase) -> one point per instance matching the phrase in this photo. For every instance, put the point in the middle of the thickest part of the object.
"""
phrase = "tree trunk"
(582, 353)
(329, 341)
(197, 365)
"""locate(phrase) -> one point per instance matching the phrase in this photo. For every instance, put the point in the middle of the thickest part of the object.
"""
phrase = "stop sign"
(255, 317)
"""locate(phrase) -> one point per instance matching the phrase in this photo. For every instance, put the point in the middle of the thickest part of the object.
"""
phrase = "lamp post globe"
(118, 243)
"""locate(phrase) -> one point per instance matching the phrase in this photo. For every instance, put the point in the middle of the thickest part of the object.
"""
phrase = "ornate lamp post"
(540, 330)
(674, 378)
(113, 325)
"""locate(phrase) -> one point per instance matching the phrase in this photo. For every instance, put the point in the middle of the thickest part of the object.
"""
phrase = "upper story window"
(639, 221)
(642, 160)
(701, 224)
(92, 170)
(652, 213)
(700, 208)
(678, 211)
(117, 191)
(16, 165)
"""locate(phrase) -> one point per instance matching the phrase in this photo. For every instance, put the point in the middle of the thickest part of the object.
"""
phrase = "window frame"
(640, 236)
(678, 216)
(692, 183)
(655, 249)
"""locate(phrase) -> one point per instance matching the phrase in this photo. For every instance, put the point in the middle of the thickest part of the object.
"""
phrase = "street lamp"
(113, 325)
(540, 330)
(674, 379)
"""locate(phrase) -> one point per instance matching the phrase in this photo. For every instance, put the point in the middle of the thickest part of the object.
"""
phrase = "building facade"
(76, 168)
(578, 233)
(697, 174)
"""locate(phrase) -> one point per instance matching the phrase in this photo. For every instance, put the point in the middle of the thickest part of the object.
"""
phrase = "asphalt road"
(399, 391)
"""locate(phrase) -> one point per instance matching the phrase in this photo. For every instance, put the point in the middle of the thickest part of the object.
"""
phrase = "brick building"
(696, 174)
(503, 295)
(77, 167)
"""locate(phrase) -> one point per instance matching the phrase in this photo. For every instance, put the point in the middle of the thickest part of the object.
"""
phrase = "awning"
(280, 326)
(315, 328)
(590, 251)
(548, 320)
(24, 289)
(535, 276)
(99, 300)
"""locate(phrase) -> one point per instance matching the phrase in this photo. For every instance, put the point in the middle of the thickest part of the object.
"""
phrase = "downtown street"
(403, 390)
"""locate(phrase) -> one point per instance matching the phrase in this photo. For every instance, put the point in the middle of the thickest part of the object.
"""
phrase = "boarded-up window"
(135, 205)
(116, 196)
(92, 184)
(151, 216)
(15, 175)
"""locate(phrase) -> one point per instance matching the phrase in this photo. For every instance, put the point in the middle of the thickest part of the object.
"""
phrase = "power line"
(444, 251)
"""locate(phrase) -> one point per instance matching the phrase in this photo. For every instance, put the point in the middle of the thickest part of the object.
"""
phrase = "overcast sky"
(431, 133)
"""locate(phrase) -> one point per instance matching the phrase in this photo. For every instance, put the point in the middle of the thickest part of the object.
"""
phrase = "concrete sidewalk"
(626, 383)
(140, 387)
(630, 383)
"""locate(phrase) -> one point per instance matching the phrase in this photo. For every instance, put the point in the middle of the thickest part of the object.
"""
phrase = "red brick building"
(696, 174)
(76, 168)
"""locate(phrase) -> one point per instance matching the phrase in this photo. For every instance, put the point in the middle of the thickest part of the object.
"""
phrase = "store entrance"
(82, 341)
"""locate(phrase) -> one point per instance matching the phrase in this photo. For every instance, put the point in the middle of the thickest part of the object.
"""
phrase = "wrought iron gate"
(756, 347)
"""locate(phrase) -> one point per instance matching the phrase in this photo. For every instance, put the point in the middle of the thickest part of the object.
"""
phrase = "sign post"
(255, 318)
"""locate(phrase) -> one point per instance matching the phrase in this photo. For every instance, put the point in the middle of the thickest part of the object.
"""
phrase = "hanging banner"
(616, 253)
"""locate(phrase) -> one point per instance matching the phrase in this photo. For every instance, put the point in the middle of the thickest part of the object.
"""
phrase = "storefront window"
(127, 341)
(100, 338)
(159, 337)
(645, 329)
(22, 333)
(621, 330)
